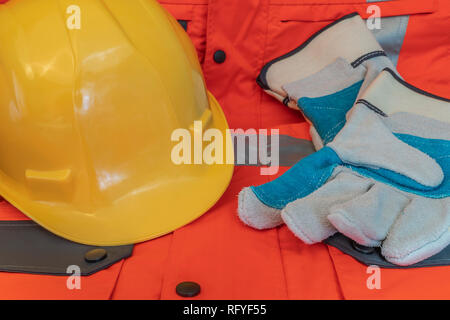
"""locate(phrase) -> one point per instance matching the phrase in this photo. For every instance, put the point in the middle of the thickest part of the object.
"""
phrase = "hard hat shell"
(90, 93)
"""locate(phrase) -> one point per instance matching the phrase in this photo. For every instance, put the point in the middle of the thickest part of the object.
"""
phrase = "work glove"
(409, 226)
(322, 78)
(367, 144)
(324, 64)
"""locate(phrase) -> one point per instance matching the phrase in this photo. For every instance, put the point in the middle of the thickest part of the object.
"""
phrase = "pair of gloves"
(381, 175)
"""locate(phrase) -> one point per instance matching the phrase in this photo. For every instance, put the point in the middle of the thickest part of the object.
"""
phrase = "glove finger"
(302, 179)
(256, 214)
(367, 218)
(420, 232)
(307, 217)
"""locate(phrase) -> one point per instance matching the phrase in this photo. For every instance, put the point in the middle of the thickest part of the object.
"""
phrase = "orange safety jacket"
(234, 39)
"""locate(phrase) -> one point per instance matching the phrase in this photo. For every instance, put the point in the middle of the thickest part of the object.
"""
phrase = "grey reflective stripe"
(391, 34)
(291, 150)
(28, 248)
(345, 244)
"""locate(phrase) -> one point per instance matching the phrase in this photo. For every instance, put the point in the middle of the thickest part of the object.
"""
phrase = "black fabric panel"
(346, 245)
(184, 24)
(28, 248)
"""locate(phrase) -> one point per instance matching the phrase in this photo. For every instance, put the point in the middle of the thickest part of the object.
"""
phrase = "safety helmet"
(90, 94)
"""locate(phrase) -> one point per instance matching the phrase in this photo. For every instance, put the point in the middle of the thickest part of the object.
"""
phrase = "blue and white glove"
(410, 226)
(260, 206)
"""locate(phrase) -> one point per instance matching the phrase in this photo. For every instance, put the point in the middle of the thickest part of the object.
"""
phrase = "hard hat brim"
(148, 213)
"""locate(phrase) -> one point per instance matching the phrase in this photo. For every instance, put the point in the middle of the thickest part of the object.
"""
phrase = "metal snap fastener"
(188, 289)
(220, 56)
(363, 249)
(95, 255)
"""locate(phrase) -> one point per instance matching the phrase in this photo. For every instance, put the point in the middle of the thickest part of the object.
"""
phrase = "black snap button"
(220, 56)
(95, 255)
(188, 289)
(363, 249)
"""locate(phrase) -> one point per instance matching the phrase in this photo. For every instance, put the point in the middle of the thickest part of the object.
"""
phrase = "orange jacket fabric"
(228, 259)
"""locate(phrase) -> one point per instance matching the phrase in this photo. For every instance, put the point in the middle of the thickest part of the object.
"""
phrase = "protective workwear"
(88, 106)
(410, 227)
(314, 69)
(228, 259)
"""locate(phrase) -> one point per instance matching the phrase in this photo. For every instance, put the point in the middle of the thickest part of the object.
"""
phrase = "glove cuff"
(347, 38)
(390, 94)
(335, 77)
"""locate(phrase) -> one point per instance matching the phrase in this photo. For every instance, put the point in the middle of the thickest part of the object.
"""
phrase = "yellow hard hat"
(90, 94)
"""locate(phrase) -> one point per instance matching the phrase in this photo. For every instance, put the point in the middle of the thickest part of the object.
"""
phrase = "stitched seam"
(326, 108)
(329, 133)
(367, 56)
(113, 289)
(283, 268)
(372, 107)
